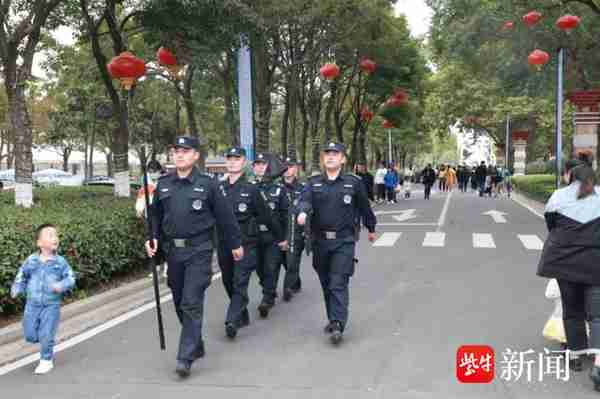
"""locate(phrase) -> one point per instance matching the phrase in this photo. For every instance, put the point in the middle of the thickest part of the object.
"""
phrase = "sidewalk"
(80, 316)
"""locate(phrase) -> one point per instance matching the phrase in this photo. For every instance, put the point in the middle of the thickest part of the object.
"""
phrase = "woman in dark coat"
(572, 255)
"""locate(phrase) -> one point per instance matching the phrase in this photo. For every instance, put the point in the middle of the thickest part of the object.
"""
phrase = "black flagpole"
(161, 330)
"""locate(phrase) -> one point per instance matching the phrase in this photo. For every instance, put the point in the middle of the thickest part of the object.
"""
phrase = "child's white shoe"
(44, 366)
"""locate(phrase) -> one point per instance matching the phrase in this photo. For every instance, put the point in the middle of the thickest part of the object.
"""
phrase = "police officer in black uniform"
(337, 202)
(292, 257)
(186, 206)
(251, 210)
(270, 242)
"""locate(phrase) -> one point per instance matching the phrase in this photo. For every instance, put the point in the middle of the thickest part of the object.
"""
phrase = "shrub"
(100, 235)
(537, 187)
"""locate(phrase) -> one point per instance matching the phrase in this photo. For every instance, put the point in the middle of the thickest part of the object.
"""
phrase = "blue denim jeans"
(40, 323)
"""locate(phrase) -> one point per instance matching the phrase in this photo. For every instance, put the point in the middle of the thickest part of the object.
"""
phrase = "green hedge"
(537, 187)
(100, 236)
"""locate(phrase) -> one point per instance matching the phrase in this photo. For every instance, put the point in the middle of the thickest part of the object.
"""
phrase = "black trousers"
(291, 264)
(581, 302)
(268, 260)
(188, 277)
(333, 260)
(236, 278)
(427, 190)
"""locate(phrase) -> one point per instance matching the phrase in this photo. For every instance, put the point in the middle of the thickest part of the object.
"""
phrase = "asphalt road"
(445, 276)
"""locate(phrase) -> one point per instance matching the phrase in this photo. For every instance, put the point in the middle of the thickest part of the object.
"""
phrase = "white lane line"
(442, 218)
(483, 241)
(531, 241)
(436, 239)
(90, 333)
(526, 206)
(387, 240)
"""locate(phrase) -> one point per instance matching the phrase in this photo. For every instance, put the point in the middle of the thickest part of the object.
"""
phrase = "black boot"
(230, 330)
(287, 295)
(264, 308)
(595, 376)
(336, 334)
(244, 320)
(329, 328)
(183, 368)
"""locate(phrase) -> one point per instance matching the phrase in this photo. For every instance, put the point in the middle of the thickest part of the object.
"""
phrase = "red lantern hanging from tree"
(127, 68)
(368, 66)
(387, 124)
(167, 59)
(568, 22)
(532, 18)
(366, 115)
(401, 95)
(538, 58)
(330, 71)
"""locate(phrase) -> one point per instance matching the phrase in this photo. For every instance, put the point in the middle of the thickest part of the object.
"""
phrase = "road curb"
(535, 207)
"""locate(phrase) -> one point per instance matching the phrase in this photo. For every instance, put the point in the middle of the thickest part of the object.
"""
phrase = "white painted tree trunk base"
(122, 189)
(24, 194)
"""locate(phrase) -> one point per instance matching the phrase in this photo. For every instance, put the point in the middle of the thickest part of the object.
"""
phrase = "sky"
(417, 13)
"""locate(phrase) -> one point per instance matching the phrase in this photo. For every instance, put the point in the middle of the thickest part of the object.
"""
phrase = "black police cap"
(337, 147)
(291, 161)
(260, 157)
(186, 142)
(235, 152)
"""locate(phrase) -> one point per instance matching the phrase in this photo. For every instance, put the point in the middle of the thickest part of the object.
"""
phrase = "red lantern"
(387, 124)
(330, 71)
(568, 22)
(401, 95)
(169, 61)
(127, 68)
(366, 115)
(508, 25)
(538, 58)
(532, 18)
(368, 66)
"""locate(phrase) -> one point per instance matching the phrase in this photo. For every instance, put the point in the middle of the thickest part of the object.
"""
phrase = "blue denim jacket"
(36, 279)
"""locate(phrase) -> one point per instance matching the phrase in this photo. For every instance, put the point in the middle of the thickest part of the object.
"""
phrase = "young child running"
(44, 278)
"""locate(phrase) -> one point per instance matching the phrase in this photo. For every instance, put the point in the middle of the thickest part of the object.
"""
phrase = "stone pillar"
(520, 151)
(586, 121)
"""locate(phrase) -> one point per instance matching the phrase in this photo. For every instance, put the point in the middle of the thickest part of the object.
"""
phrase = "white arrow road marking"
(434, 239)
(406, 214)
(496, 215)
(531, 241)
(483, 241)
(387, 240)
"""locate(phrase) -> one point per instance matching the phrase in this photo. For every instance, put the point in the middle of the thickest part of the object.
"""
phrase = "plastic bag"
(552, 289)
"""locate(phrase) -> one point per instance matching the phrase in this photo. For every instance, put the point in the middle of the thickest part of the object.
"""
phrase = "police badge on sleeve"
(347, 199)
(197, 205)
(242, 207)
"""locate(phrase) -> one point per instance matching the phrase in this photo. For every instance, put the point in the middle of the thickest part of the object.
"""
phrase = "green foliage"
(537, 187)
(100, 235)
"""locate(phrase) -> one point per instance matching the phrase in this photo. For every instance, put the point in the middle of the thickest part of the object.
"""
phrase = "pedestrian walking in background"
(481, 174)
(451, 178)
(380, 182)
(442, 178)
(571, 254)
(428, 179)
(367, 179)
(391, 181)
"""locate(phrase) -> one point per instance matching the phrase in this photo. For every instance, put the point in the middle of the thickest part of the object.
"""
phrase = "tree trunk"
(262, 93)
(354, 150)
(109, 163)
(190, 109)
(65, 158)
(284, 121)
(362, 145)
(21, 126)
